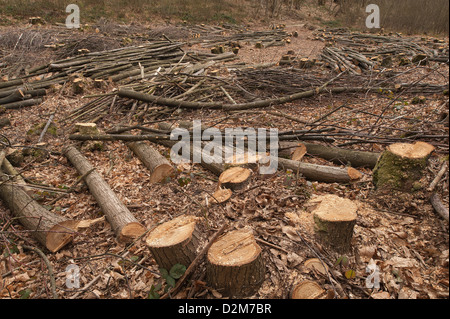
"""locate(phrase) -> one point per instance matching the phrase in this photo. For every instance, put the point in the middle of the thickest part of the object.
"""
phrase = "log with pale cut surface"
(307, 289)
(159, 166)
(123, 223)
(51, 230)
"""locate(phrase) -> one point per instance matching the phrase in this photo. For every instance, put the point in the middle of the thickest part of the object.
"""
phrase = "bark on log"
(123, 223)
(321, 173)
(334, 220)
(159, 166)
(25, 103)
(337, 155)
(234, 264)
(174, 242)
(51, 230)
(401, 166)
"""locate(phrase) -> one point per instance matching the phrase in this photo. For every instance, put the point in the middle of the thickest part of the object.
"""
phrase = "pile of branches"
(121, 65)
(359, 53)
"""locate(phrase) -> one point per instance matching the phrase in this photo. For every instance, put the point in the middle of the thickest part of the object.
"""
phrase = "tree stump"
(234, 264)
(235, 177)
(307, 289)
(334, 220)
(90, 129)
(401, 166)
(174, 242)
(221, 195)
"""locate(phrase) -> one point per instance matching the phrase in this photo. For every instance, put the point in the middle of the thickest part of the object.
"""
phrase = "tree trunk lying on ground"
(321, 173)
(51, 230)
(336, 154)
(158, 165)
(401, 166)
(439, 206)
(309, 171)
(123, 223)
(234, 264)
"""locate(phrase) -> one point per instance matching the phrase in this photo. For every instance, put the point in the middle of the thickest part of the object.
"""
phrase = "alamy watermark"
(230, 146)
(373, 20)
(73, 19)
(72, 276)
(373, 279)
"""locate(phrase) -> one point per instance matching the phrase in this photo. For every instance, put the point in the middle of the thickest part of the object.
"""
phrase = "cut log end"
(354, 174)
(60, 235)
(161, 172)
(334, 220)
(234, 177)
(174, 242)
(131, 232)
(234, 264)
(221, 195)
(417, 150)
(307, 290)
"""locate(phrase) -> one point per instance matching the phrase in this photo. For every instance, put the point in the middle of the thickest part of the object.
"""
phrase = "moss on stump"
(401, 166)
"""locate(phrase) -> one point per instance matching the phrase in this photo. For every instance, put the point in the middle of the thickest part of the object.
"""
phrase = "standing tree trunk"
(401, 166)
(123, 223)
(234, 264)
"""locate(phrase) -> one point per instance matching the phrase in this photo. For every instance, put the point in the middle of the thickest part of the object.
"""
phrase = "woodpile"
(359, 53)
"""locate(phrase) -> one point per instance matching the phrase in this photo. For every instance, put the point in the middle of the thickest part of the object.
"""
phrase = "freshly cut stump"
(307, 290)
(174, 242)
(221, 195)
(401, 166)
(334, 220)
(314, 264)
(234, 178)
(234, 264)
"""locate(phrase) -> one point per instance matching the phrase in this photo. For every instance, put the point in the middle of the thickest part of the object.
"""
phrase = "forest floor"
(400, 232)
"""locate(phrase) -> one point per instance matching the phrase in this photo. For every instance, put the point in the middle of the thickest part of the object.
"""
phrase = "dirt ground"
(401, 233)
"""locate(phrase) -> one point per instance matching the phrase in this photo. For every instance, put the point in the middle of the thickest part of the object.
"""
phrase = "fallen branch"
(439, 206)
